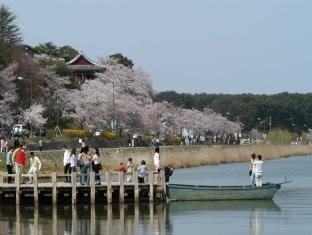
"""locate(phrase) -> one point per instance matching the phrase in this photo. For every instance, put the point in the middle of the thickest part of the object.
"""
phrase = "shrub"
(173, 140)
(109, 135)
(75, 133)
(148, 138)
(278, 136)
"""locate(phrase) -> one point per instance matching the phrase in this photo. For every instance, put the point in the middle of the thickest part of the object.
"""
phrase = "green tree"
(67, 52)
(47, 48)
(122, 60)
(10, 35)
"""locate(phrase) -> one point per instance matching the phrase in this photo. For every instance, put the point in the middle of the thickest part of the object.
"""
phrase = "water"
(289, 213)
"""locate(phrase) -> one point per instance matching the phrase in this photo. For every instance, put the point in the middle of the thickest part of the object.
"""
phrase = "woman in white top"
(129, 170)
(96, 165)
(157, 162)
(259, 172)
(73, 161)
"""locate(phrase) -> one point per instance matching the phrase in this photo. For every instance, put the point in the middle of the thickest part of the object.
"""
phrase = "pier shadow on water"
(149, 218)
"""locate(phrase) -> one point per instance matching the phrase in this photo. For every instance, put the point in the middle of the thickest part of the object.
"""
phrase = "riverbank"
(178, 156)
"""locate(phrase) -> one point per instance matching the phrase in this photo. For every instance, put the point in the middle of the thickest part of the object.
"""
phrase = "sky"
(192, 46)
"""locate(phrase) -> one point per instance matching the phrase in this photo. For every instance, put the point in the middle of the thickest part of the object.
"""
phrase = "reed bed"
(192, 156)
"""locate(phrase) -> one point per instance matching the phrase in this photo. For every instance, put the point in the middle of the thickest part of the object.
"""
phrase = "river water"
(289, 213)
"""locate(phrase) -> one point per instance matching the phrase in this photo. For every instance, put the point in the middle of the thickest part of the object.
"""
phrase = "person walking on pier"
(35, 166)
(66, 162)
(157, 163)
(86, 168)
(142, 171)
(73, 161)
(129, 170)
(96, 165)
(9, 163)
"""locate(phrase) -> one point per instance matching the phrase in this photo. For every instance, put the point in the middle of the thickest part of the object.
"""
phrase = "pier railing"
(109, 186)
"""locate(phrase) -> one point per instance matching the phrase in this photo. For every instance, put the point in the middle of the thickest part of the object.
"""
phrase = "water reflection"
(83, 219)
(119, 219)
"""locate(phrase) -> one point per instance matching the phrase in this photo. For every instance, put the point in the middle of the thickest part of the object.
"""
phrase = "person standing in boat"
(252, 169)
(258, 170)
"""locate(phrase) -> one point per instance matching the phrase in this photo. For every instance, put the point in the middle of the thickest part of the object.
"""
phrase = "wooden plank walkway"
(53, 188)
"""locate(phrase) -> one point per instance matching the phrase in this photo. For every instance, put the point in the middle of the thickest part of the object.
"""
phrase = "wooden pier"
(52, 188)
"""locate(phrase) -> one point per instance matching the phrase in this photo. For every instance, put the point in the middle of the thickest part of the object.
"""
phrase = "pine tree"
(10, 35)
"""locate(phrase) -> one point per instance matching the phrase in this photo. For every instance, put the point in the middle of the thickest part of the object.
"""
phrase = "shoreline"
(176, 156)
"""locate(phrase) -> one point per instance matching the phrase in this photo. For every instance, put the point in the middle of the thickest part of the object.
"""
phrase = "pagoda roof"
(82, 62)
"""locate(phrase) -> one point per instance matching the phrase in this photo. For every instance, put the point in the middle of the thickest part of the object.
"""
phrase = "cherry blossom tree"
(33, 115)
(8, 96)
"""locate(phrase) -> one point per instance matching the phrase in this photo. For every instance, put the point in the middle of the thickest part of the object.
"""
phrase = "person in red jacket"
(21, 159)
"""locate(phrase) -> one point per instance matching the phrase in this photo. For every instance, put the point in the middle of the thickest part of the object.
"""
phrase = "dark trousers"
(10, 171)
(96, 169)
(141, 180)
(66, 171)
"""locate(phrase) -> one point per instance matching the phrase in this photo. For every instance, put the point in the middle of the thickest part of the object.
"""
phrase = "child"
(35, 166)
(142, 170)
(122, 168)
(129, 170)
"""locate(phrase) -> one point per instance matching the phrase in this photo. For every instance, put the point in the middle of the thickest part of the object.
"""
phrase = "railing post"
(92, 185)
(54, 189)
(109, 188)
(136, 186)
(36, 192)
(151, 185)
(74, 188)
(121, 187)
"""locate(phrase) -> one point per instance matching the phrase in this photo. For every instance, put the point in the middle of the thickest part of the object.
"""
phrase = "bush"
(173, 140)
(278, 136)
(148, 138)
(76, 133)
(109, 135)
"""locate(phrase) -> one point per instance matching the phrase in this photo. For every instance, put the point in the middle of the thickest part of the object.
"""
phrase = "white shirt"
(96, 159)
(258, 164)
(156, 160)
(66, 157)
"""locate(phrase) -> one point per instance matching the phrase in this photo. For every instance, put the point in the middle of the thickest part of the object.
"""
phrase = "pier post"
(163, 183)
(92, 189)
(74, 220)
(109, 227)
(36, 192)
(109, 188)
(93, 219)
(74, 188)
(54, 220)
(18, 185)
(121, 187)
(122, 218)
(54, 192)
(151, 185)
(136, 186)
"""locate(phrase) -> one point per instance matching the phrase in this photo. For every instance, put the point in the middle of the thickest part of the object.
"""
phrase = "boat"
(185, 192)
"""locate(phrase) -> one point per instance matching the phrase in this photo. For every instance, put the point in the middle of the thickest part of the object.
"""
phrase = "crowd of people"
(88, 159)
(16, 163)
